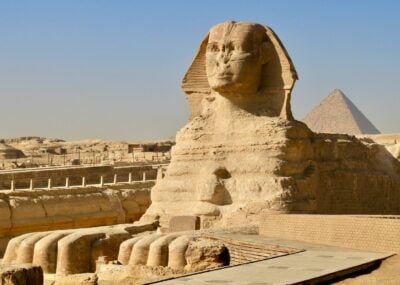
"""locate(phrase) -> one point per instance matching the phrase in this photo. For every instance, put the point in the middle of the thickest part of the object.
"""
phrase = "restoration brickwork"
(374, 233)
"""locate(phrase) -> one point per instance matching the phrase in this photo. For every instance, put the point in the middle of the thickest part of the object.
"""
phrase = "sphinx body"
(242, 152)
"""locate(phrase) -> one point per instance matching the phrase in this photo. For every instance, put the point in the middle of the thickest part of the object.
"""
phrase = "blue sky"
(112, 69)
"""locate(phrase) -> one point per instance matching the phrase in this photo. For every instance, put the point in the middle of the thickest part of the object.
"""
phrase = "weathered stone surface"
(204, 254)
(389, 141)
(81, 279)
(42, 210)
(242, 152)
(155, 250)
(21, 274)
(184, 223)
(179, 251)
(71, 251)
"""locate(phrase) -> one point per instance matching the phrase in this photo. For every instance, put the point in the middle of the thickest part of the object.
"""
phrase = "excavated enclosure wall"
(25, 211)
(58, 175)
(343, 175)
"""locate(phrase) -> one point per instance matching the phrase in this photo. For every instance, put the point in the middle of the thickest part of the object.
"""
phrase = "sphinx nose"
(224, 56)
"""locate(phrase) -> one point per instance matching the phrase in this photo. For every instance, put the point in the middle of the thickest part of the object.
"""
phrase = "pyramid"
(337, 114)
(9, 152)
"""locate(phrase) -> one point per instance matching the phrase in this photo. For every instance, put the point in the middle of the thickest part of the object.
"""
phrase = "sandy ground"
(388, 273)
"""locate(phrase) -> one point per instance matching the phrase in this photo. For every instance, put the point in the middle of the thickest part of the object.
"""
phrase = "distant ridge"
(337, 114)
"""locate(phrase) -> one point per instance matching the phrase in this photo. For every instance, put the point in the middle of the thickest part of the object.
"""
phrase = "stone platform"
(318, 263)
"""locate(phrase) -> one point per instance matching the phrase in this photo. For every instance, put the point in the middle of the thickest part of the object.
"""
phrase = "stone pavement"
(318, 263)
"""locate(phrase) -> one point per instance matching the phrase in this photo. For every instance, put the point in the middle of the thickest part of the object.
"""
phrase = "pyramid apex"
(337, 91)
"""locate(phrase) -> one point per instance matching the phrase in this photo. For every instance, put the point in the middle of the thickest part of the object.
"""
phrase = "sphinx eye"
(212, 48)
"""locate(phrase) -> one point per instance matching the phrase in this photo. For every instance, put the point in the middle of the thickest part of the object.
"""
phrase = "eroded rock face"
(203, 254)
(242, 152)
(21, 274)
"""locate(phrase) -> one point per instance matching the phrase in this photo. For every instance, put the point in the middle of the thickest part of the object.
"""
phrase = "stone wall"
(92, 174)
(41, 210)
(375, 233)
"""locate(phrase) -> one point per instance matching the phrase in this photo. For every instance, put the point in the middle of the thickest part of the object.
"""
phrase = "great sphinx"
(242, 151)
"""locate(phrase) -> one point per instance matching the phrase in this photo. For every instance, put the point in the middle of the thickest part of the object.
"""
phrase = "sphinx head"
(245, 63)
(235, 55)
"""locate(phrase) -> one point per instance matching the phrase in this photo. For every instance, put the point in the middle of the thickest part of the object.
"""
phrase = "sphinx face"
(234, 58)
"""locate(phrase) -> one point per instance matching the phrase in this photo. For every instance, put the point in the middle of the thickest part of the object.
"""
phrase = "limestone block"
(21, 274)
(184, 223)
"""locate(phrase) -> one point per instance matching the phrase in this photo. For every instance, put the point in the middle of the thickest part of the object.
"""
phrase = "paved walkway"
(317, 263)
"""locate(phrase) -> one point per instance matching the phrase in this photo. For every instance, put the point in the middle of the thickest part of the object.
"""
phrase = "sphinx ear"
(265, 52)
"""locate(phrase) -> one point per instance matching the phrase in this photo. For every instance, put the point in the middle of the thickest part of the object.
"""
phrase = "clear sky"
(112, 69)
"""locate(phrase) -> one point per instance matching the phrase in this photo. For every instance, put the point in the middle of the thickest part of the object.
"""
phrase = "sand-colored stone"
(184, 223)
(179, 251)
(71, 251)
(365, 232)
(242, 152)
(203, 254)
(41, 210)
(125, 250)
(159, 250)
(45, 252)
(21, 274)
(140, 251)
(229, 125)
